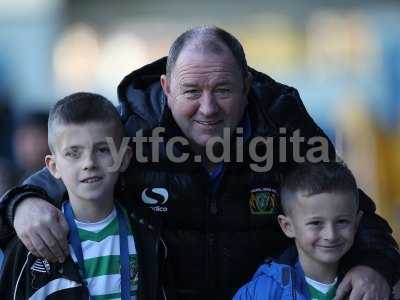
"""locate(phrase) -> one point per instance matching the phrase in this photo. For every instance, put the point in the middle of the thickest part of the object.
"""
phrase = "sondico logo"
(156, 197)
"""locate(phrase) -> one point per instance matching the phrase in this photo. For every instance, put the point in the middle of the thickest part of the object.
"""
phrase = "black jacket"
(25, 274)
(216, 240)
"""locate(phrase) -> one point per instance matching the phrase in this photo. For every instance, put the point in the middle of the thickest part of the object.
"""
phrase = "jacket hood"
(149, 74)
(280, 269)
(280, 273)
(142, 78)
(140, 94)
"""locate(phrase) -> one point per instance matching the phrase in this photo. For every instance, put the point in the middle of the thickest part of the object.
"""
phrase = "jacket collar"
(140, 93)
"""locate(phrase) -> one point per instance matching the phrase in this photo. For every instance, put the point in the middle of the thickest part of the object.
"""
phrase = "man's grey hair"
(208, 38)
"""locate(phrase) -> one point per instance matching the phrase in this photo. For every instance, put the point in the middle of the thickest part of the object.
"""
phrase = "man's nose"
(208, 104)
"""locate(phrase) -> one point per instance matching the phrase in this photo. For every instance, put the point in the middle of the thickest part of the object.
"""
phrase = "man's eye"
(193, 93)
(223, 90)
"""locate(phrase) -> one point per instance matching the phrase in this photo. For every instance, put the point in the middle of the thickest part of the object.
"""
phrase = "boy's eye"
(72, 154)
(343, 221)
(103, 150)
(314, 223)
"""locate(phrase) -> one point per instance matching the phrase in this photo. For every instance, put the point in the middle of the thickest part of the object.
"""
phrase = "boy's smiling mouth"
(331, 247)
(91, 179)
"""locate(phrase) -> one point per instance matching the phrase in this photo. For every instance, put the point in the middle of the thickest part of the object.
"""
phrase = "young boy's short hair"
(317, 178)
(82, 108)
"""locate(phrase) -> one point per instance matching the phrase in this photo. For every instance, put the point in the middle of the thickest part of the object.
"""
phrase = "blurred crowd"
(24, 145)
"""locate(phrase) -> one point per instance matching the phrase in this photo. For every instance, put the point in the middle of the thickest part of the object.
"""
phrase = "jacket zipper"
(210, 238)
(19, 276)
(165, 257)
(292, 277)
(158, 238)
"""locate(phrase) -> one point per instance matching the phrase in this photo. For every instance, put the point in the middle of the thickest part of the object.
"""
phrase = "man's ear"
(166, 88)
(51, 165)
(286, 226)
(165, 84)
(126, 159)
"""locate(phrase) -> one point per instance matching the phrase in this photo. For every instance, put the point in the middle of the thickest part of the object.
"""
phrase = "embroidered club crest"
(263, 201)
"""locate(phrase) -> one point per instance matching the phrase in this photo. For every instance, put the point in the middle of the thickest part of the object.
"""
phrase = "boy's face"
(82, 158)
(323, 226)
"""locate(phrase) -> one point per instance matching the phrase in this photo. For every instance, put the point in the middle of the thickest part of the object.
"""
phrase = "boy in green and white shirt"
(100, 238)
(103, 264)
(101, 251)
(111, 256)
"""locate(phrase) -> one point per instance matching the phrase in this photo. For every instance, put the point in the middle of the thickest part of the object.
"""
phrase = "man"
(218, 219)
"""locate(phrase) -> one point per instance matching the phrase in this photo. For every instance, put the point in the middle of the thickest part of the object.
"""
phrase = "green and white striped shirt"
(101, 254)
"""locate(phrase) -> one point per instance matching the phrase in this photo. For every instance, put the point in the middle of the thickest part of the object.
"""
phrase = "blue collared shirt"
(216, 173)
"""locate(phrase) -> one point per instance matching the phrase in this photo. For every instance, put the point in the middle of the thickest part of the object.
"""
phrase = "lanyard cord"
(75, 242)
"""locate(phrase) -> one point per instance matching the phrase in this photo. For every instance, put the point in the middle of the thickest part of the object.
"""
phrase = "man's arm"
(39, 225)
(374, 245)
(40, 185)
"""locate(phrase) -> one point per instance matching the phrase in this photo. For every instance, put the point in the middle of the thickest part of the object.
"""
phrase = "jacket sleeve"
(374, 245)
(246, 292)
(260, 288)
(42, 185)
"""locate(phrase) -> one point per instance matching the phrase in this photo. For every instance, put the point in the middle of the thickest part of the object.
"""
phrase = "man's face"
(206, 94)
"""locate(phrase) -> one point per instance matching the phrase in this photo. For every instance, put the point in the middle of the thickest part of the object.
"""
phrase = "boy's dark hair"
(81, 108)
(317, 178)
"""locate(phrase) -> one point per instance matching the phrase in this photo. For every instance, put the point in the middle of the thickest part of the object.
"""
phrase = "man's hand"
(363, 283)
(396, 291)
(42, 228)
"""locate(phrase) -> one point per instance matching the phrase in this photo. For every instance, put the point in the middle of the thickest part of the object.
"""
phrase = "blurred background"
(342, 57)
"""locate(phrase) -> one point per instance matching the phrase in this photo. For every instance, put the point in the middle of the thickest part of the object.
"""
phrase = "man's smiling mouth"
(208, 123)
